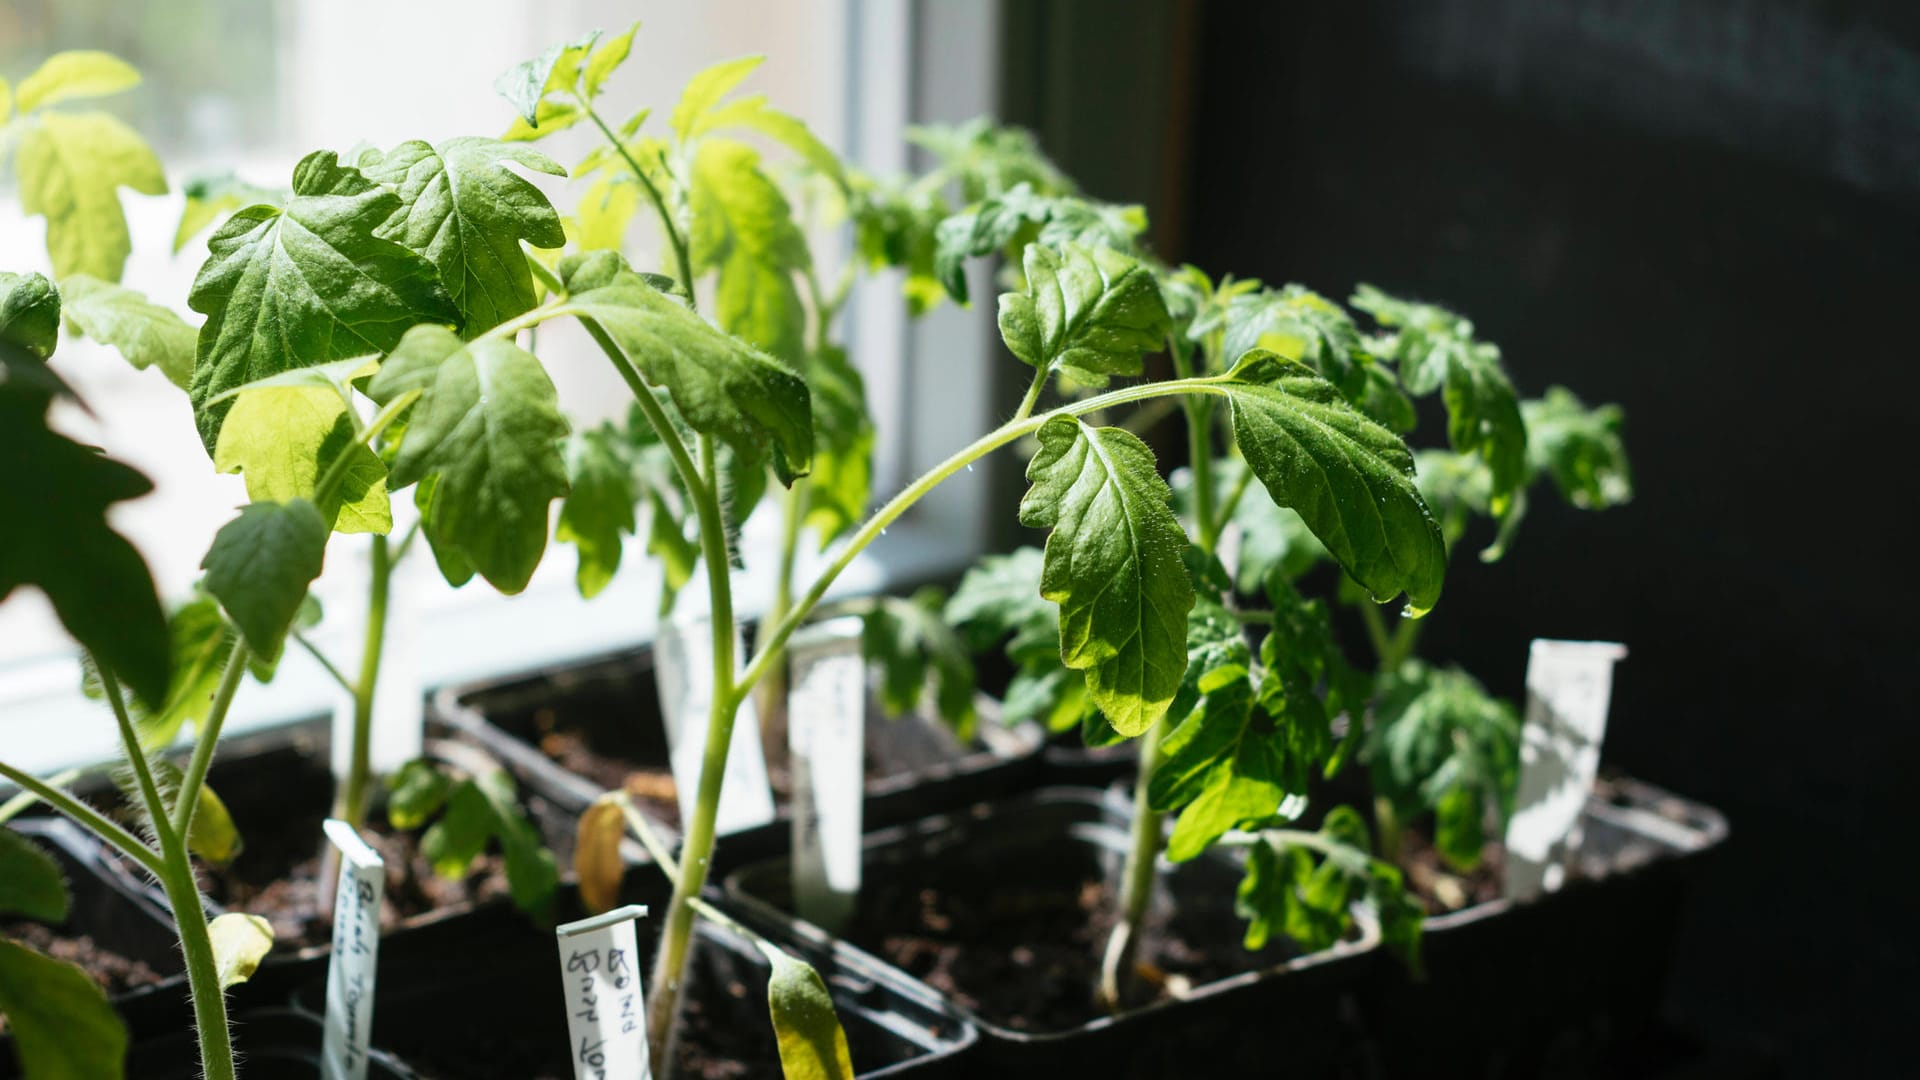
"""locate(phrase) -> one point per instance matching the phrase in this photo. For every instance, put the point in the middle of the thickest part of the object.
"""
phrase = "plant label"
(399, 696)
(356, 955)
(606, 1010)
(684, 673)
(1569, 686)
(826, 736)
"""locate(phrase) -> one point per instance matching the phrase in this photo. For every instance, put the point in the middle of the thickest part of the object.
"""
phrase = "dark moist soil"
(647, 775)
(278, 799)
(1029, 960)
(116, 974)
(1442, 889)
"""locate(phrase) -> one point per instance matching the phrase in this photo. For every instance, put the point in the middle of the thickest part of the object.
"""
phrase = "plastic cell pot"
(484, 997)
(997, 907)
(277, 1043)
(602, 719)
(1537, 986)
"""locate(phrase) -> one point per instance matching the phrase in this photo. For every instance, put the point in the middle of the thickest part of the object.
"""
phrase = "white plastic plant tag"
(356, 955)
(399, 697)
(606, 1009)
(826, 737)
(1569, 686)
(683, 662)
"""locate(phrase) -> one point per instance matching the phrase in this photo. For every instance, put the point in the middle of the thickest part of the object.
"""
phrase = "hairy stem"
(1143, 857)
(86, 817)
(1033, 395)
(674, 239)
(351, 804)
(696, 855)
(183, 895)
(13, 807)
(207, 736)
(1376, 634)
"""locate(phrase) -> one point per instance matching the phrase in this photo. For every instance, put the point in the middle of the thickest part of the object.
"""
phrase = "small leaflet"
(606, 1010)
(356, 955)
(399, 697)
(826, 734)
(684, 672)
(1569, 686)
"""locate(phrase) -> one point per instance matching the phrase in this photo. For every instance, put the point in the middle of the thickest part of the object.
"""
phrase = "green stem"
(319, 657)
(1200, 460)
(696, 854)
(772, 693)
(13, 807)
(380, 422)
(1386, 823)
(674, 239)
(662, 853)
(183, 895)
(1009, 432)
(351, 804)
(208, 735)
(86, 817)
(137, 757)
(1225, 513)
(1033, 395)
(1377, 633)
(697, 488)
(1143, 857)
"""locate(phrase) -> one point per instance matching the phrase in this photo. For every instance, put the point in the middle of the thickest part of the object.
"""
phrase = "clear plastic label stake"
(683, 656)
(826, 735)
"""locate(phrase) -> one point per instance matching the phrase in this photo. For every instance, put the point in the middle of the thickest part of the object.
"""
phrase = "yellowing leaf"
(812, 1044)
(705, 90)
(71, 167)
(609, 56)
(285, 438)
(596, 854)
(240, 942)
(81, 73)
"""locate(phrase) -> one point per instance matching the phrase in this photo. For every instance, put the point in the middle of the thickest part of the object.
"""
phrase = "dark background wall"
(1707, 211)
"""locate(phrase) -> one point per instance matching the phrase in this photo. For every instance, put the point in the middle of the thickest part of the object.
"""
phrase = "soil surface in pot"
(1016, 934)
(602, 723)
(278, 798)
(116, 974)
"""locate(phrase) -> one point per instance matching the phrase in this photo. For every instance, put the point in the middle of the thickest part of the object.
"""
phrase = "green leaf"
(1088, 311)
(260, 565)
(209, 198)
(744, 229)
(705, 90)
(145, 333)
(841, 483)
(31, 885)
(78, 73)
(1580, 448)
(599, 507)
(62, 1026)
(894, 224)
(1299, 324)
(97, 582)
(1349, 479)
(486, 808)
(667, 542)
(1113, 564)
(915, 648)
(1010, 221)
(606, 59)
(240, 942)
(416, 792)
(1439, 742)
(812, 1044)
(721, 386)
(29, 314)
(284, 439)
(1222, 766)
(1001, 595)
(71, 167)
(464, 210)
(526, 84)
(606, 208)
(302, 286)
(1305, 885)
(487, 427)
(988, 160)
